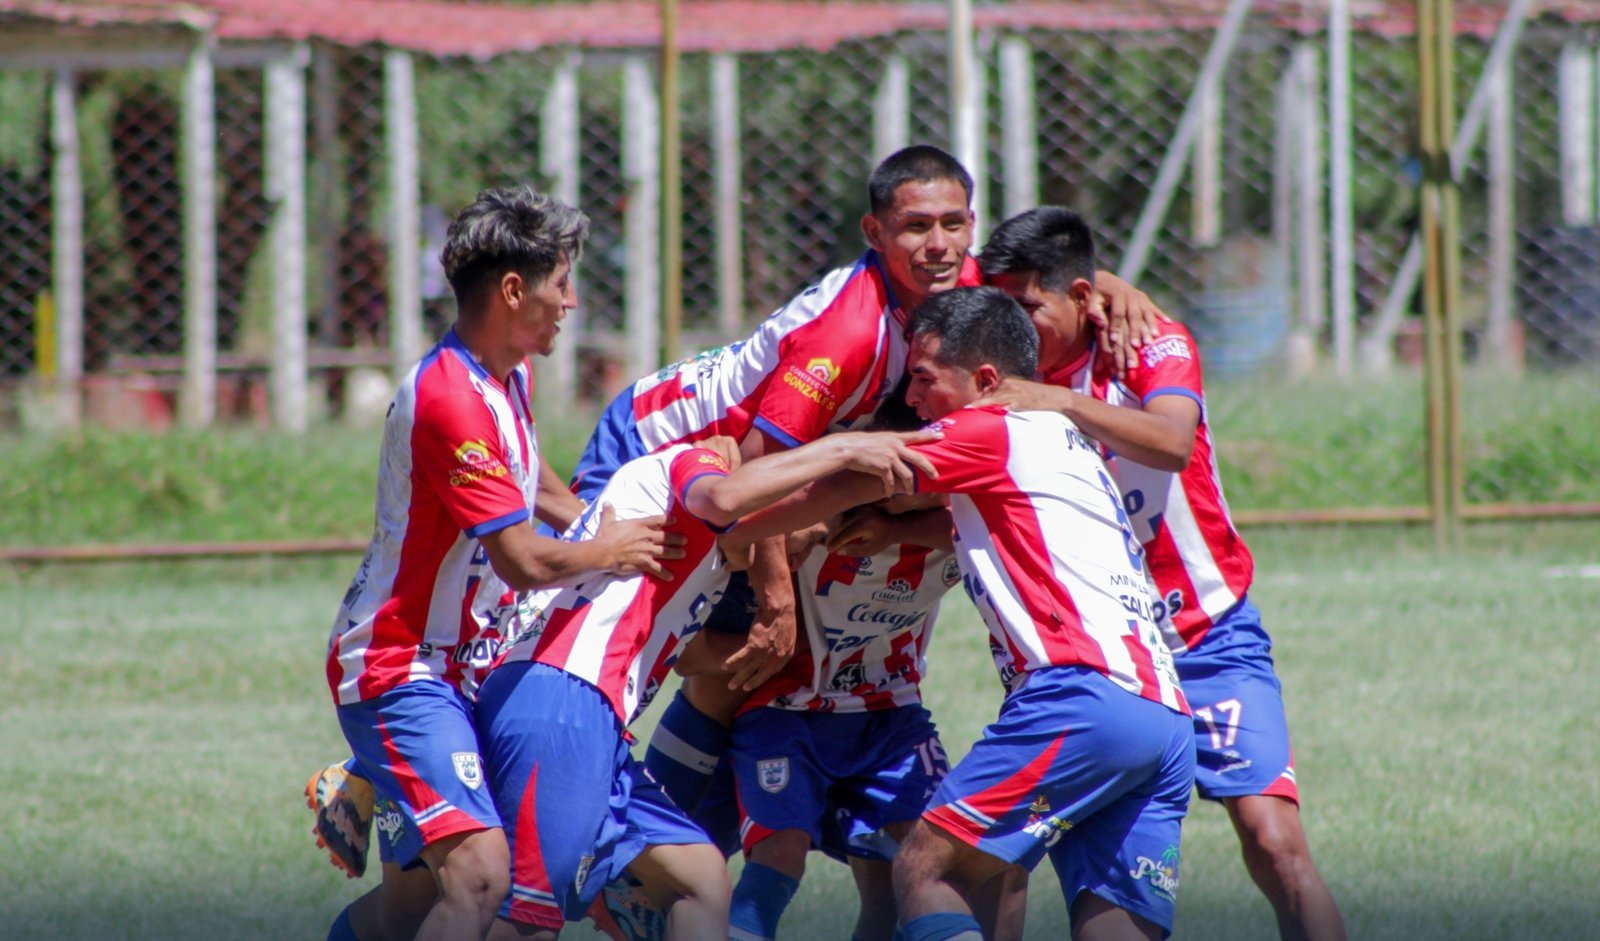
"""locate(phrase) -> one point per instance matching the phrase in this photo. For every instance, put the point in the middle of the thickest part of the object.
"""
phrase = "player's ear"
(1081, 290)
(872, 231)
(511, 289)
(986, 378)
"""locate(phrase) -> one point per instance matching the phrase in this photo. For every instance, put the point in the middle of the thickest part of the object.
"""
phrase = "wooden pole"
(728, 162)
(1018, 126)
(641, 166)
(405, 211)
(557, 387)
(1341, 200)
(198, 398)
(66, 193)
(286, 190)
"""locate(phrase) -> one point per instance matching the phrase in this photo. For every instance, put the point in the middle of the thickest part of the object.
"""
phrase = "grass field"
(159, 721)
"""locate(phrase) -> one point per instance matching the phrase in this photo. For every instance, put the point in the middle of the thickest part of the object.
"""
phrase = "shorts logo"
(468, 768)
(824, 369)
(584, 865)
(773, 774)
(952, 571)
(389, 821)
(1162, 873)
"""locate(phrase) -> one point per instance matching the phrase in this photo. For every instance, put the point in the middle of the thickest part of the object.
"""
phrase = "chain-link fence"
(1243, 255)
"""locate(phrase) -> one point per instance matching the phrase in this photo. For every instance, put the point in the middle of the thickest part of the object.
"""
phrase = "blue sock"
(341, 930)
(940, 927)
(758, 902)
(684, 751)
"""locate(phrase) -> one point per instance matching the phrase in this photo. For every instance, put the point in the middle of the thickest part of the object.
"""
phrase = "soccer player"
(553, 713)
(1092, 754)
(1153, 427)
(435, 593)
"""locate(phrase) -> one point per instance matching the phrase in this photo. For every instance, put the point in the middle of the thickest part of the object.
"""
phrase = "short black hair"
(512, 228)
(1051, 240)
(919, 163)
(893, 414)
(976, 326)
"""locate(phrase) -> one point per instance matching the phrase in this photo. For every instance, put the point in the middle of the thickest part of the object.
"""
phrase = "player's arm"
(1159, 435)
(557, 506)
(869, 530)
(770, 641)
(526, 560)
(807, 506)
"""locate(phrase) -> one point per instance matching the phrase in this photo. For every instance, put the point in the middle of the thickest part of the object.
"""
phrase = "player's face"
(542, 307)
(1059, 317)
(936, 388)
(923, 238)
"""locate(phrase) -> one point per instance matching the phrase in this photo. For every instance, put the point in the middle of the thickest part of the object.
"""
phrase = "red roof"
(482, 30)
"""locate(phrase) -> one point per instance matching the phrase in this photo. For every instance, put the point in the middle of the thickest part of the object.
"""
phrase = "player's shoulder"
(971, 422)
(843, 291)
(1172, 341)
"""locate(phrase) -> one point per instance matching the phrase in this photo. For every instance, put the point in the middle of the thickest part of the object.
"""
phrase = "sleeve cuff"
(498, 523)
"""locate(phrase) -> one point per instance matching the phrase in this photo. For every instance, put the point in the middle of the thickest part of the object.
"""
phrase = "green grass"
(160, 720)
(1313, 444)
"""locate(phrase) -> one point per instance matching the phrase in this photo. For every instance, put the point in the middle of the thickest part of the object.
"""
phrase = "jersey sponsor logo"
(864, 613)
(952, 572)
(468, 768)
(1166, 348)
(476, 463)
(898, 591)
(810, 387)
(773, 774)
(824, 369)
(1162, 873)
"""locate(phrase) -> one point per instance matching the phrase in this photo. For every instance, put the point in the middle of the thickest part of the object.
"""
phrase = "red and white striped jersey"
(1200, 565)
(623, 633)
(822, 362)
(1046, 551)
(460, 459)
(868, 620)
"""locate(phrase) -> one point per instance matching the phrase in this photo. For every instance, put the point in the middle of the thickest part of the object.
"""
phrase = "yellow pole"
(44, 336)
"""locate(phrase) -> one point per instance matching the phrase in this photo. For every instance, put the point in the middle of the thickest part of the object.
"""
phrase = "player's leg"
(1118, 864)
(391, 911)
(1245, 761)
(1001, 905)
(418, 747)
(682, 874)
(1279, 860)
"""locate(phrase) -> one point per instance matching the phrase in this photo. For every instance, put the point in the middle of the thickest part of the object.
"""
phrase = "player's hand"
(888, 457)
(799, 544)
(865, 530)
(1126, 317)
(766, 650)
(637, 545)
(1024, 395)
(725, 446)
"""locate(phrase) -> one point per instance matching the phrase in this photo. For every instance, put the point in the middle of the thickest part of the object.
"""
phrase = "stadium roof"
(482, 30)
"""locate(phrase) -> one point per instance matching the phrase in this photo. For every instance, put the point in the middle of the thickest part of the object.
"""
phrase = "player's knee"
(1270, 834)
(784, 851)
(475, 869)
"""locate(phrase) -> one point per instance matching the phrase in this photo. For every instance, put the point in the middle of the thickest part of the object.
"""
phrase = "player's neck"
(476, 339)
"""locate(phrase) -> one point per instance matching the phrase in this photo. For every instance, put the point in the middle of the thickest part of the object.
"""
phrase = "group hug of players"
(777, 520)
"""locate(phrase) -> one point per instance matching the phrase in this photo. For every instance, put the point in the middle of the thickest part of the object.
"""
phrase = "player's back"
(1199, 562)
(621, 633)
(1046, 551)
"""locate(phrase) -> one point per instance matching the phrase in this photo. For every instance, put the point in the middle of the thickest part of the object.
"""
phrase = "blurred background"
(219, 223)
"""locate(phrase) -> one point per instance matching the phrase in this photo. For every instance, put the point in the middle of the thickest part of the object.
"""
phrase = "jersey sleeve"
(822, 364)
(691, 466)
(1169, 365)
(456, 452)
(969, 458)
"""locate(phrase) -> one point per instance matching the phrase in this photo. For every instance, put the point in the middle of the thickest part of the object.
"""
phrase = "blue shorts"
(417, 745)
(614, 442)
(1094, 775)
(1241, 734)
(577, 808)
(859, 772)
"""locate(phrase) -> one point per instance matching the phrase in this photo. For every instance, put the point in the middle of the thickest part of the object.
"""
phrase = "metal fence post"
(405, 212)
(966, 103)
(198, 399)
(286, 190)
(1576, 101)
(559, 162)
(1018, 131)
(1504, 345)
(1306, 114)
(641, 167)
(891, 108)
(671, 169)
(1205, 219)
(66, 191)
(728, 163)
(1341, 204)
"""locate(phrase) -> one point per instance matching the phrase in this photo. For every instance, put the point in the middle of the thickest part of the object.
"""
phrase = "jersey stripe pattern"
(1199, 563)
(459, 460)
(821, 362)
(1046, 552)
(872, 618)
(622, 634)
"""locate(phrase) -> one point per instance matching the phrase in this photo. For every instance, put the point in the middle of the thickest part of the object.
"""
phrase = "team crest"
(952, 571)
(585, 864)
(773, 774)
(468, 768)
(849, 677)
(898, 591)
(823, 369)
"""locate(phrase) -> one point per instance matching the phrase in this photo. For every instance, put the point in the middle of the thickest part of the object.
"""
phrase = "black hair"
(976, 326)
(893, 414)
(1053, 241)
(513, 228)
(919, 163)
